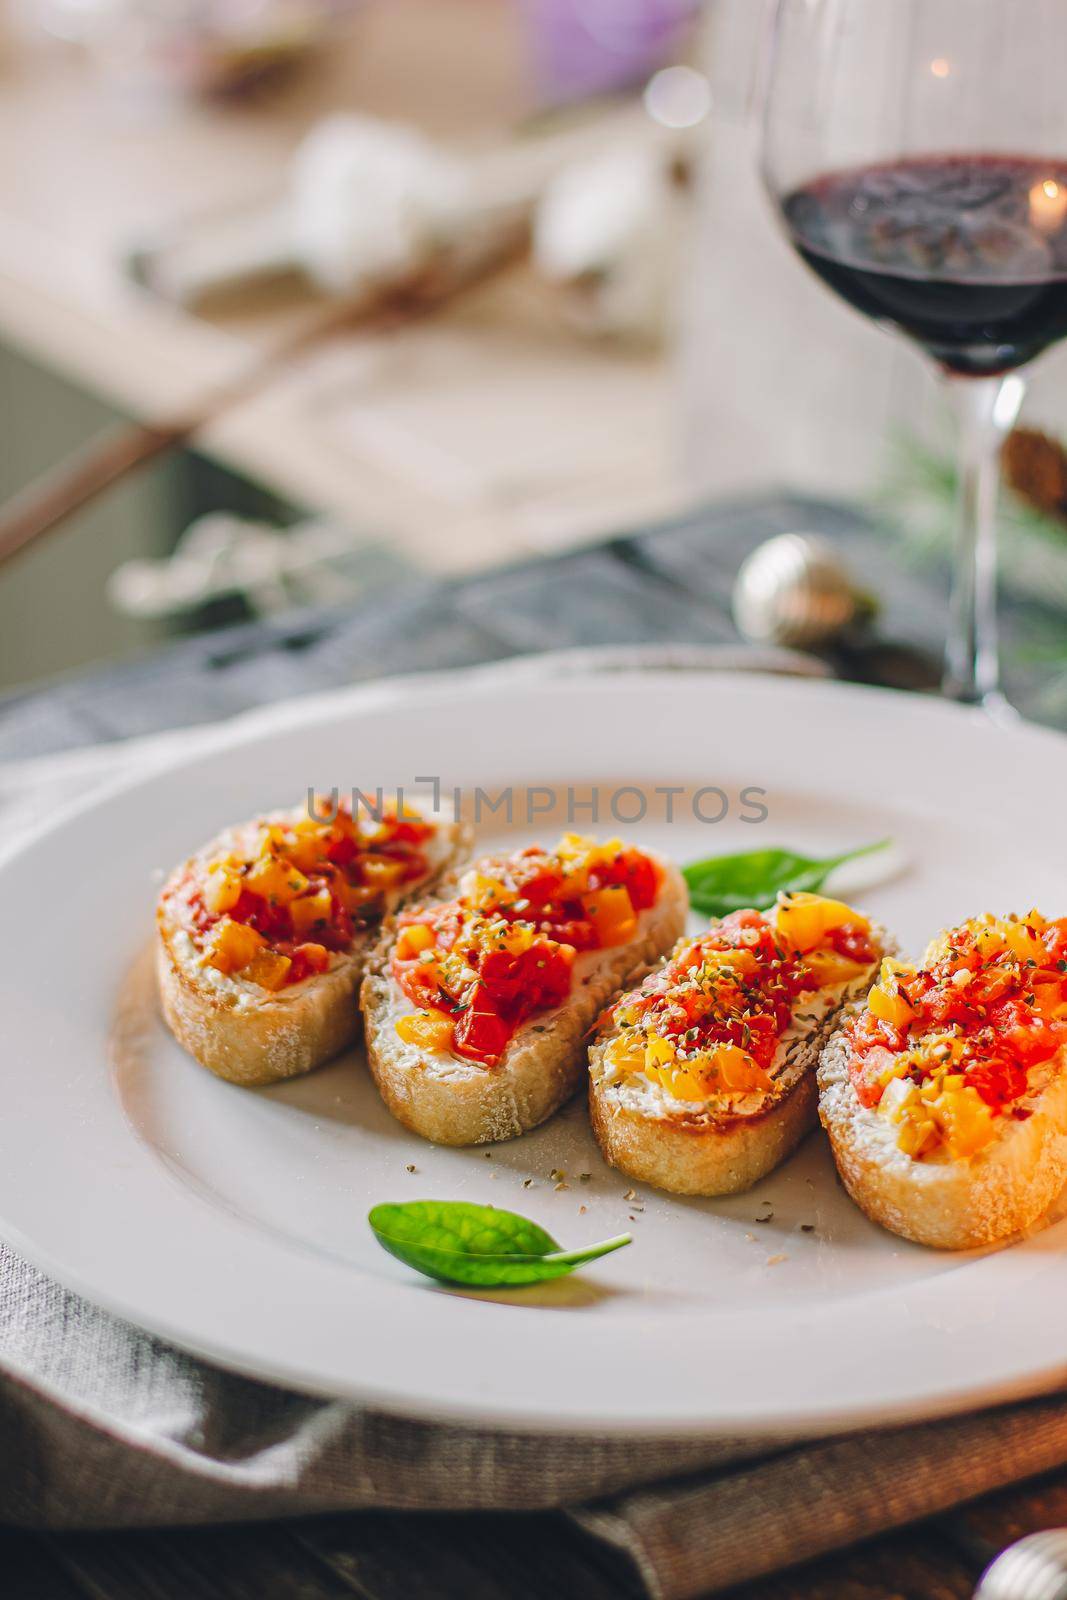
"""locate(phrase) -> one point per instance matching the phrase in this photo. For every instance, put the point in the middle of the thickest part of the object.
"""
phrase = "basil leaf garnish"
(457, 1242)
(755, 878)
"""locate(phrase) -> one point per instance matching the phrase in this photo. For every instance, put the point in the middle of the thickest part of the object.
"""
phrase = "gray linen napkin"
(102, 1425)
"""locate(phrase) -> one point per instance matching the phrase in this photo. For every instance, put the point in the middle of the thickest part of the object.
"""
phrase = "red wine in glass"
(966, 254)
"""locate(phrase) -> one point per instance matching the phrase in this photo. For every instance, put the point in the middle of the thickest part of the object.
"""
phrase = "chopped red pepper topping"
(987, 1006)
(502, 951)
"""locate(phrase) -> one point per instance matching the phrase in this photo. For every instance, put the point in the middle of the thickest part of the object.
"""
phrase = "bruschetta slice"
(477, 1005)
(945, 1095)
(703, 1079)
(263, 934)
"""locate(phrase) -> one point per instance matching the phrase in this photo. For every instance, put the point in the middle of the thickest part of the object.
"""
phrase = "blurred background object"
(656, 350)
(168, 238)
(796, 590)
(152, 48)
(609, 234)
(221, 557)
(581, 48)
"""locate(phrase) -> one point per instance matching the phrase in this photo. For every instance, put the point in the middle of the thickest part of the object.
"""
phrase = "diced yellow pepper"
(627, 1054)
(232, 945)
(659, 1052)
(379, 872)
(737, 965)
(889, 1006)
(574, 846)
(268, 969)
(308, 850)
(307, 824)
(602, 855)
(989, 941)
(1048, 992)
(681, 1083)
(276, 880)
(513, 938)
(806, 919)
(427, 1030)
(311, 912)
(827, 969)
(355, 897)
(1024, 943)
(732, 1070)
(319, 816)
(484, 892)
(612, 913)
(917, 1136)
(222, 888)
(412, 939)
(578, 857)
(724, 1069)
(967, 1122)
(574, 881)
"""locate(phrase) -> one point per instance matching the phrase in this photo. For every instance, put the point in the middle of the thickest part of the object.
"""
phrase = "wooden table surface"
(668, 583)
(383, 1556)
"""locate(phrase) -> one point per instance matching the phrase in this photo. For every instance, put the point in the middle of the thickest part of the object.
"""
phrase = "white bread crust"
(262, 1038)
(951, 1205)
(707, 1151)
(280, 1036)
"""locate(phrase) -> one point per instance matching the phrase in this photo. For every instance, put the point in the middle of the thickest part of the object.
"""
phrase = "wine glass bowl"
(967, 255)
(914, 151)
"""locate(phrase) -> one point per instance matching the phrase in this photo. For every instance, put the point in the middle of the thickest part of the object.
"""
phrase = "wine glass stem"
(986, 409)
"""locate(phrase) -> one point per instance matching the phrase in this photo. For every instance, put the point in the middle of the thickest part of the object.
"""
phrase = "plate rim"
(807, 1421)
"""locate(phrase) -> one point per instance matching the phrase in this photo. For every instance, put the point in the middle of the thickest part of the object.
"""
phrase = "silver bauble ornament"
(794, 590)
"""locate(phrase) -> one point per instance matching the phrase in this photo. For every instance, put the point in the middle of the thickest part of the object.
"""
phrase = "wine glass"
(917, 153)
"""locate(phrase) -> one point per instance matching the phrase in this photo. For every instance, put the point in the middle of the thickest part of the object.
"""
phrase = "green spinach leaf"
(755, 878)
(457, 1242)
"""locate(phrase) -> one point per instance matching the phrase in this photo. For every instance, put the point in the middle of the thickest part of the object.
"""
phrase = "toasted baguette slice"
(950, 1204)
(718, 1146)
(451, 1100)
(251, 1035)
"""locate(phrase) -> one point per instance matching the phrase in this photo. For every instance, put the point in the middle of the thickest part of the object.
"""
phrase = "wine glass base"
(996, 705)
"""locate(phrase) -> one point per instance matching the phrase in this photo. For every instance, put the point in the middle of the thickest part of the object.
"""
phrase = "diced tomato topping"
(707, 996)
(307, 959)
(579, 932)
(1028, 1037)
(853, 939)
(419, 982)
(326, 860)
(998, 1081)
(636, 873)
(991, 1002)
(541, 886)
(869, 1072)
(491, 983)
(343, 851)
(411, 830)
(502, 976)
(759, 1035)
(481, 1033)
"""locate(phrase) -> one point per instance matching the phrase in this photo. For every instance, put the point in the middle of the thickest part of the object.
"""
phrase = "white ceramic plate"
(233, 1222)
